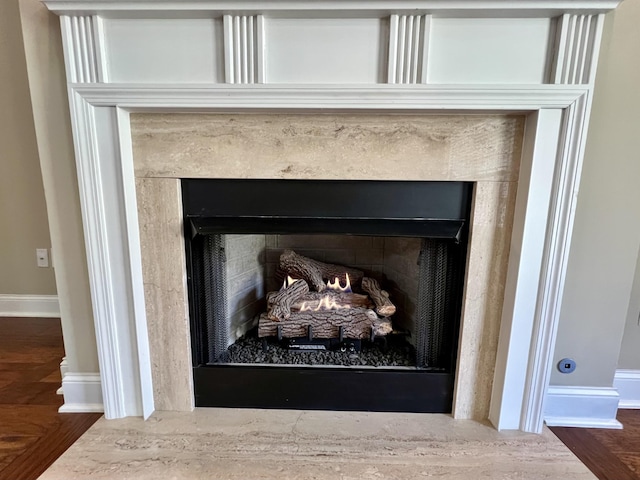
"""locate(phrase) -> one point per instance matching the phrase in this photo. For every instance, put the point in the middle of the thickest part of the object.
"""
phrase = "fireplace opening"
(325, 294)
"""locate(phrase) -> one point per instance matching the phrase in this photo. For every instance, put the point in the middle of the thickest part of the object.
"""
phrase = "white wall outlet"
(42, 255)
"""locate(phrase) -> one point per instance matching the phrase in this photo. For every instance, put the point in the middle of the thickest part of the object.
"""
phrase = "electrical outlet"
(566, 365)
(42, 256)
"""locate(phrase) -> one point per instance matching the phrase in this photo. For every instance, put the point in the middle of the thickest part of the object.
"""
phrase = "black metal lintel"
(326, 198)
(442, 229)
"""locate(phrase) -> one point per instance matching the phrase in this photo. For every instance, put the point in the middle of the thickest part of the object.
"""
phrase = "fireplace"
(349, 288)
(463, 74)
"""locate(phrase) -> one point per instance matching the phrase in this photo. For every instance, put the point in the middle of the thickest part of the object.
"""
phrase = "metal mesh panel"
(215, 281)
(455, 267)
(437, 302)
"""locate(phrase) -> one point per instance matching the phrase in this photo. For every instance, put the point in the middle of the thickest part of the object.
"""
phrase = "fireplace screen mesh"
(438, 297)
(214, 295)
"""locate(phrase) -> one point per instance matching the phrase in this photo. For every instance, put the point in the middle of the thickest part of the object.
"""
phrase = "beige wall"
(45, 66)
(630, 351)
(23, 215)
(607, 229)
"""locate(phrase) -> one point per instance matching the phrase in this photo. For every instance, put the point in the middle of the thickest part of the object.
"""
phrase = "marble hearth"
(485, 149)
(265, 444)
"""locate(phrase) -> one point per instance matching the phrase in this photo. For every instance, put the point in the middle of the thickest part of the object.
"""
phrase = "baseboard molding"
(64, 368)
(586, 407)
(84, 408)
(82, 393)
(628, 384)
(29, 306)
(583, 423)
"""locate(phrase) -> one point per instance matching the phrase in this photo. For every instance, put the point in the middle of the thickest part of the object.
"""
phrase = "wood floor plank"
(31, 393)
(609, 454)
(18, 355)
(631, 460)
(54, 376)
(32, 432)
(49, 447)
(27, 419)
(625, 444)
(12, 446)
(590, 451)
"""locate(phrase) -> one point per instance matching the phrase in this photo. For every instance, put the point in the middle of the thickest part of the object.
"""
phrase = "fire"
(289, 281)
(335, 285)
(325, 303)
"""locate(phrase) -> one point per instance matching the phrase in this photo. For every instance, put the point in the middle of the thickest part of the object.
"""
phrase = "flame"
(335, 285)
(289, 281)
(325, 303)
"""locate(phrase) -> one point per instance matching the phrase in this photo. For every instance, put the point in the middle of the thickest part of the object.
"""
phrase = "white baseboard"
(82, 393)
(64, 368)
(29, 306)
(628, 384)
(587, 407)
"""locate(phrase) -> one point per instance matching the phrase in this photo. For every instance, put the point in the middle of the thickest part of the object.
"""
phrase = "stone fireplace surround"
(482, 149)
(549, 80)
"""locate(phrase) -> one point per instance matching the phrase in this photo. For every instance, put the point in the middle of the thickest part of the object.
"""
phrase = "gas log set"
(322, 306)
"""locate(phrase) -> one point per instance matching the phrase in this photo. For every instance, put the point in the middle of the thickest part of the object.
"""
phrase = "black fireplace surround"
(437, 213)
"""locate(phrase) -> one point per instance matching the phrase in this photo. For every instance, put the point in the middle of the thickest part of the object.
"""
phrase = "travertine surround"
(484, 149)
(359, 147)
(165, 291)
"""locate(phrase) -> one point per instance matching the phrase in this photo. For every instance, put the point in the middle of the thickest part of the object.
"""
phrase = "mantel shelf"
(462, 8)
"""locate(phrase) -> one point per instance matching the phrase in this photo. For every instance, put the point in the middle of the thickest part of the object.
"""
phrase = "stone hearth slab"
(287, 444)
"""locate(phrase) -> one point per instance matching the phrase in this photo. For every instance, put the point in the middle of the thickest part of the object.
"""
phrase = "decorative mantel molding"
(296, 97)
(480, 8)
(167, 56)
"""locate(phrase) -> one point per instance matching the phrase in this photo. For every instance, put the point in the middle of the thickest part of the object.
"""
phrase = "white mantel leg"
(125, 369)
(525, 266)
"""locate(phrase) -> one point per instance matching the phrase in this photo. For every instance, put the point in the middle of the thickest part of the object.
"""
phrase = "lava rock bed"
(248, 349)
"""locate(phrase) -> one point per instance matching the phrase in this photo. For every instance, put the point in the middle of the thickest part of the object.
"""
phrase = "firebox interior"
(342, 282)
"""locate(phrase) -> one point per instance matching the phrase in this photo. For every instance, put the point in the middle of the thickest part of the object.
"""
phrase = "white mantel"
(533, 57)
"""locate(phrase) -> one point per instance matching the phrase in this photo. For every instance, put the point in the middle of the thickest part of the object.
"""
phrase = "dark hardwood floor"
(32, 432)
(609, 454)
